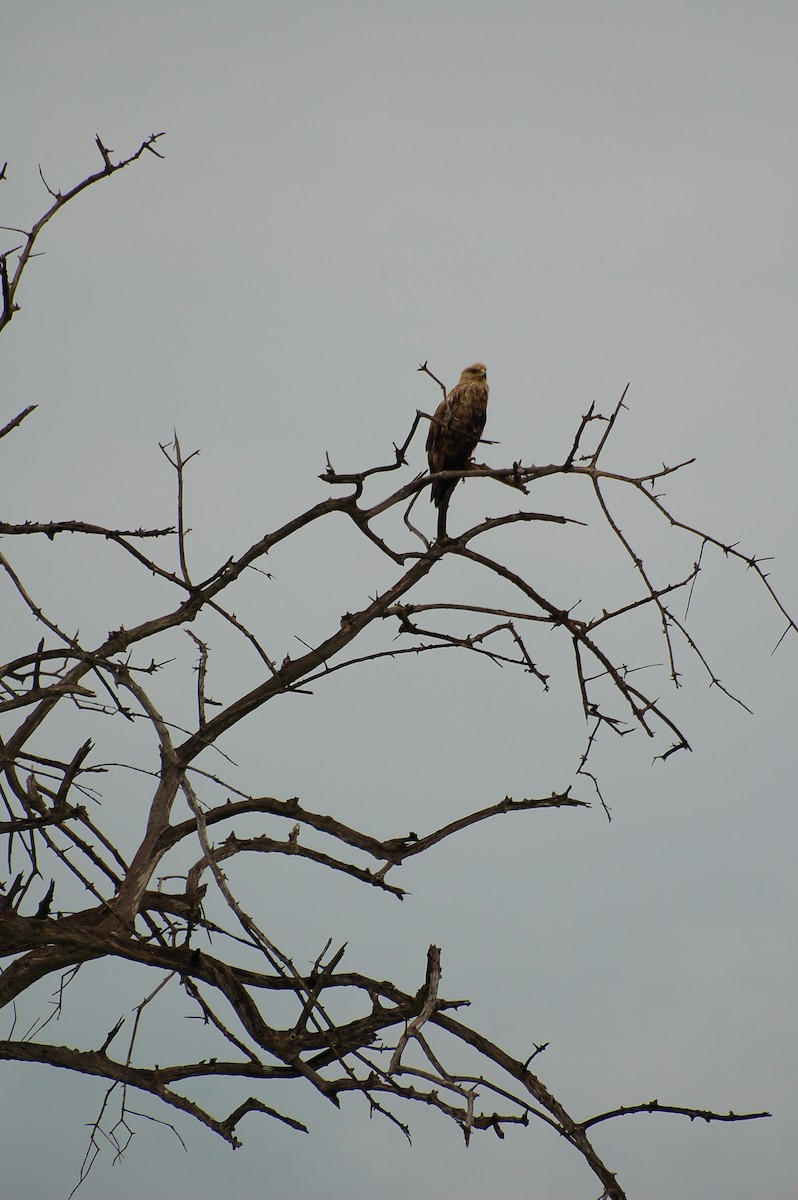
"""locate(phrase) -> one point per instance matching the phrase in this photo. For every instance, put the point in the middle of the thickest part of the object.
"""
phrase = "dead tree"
(168, 899)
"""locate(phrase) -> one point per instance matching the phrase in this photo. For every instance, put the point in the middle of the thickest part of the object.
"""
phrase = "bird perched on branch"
(454, 433)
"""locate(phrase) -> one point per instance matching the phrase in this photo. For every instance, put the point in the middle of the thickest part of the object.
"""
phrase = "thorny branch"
(10, 280)
(197, 828)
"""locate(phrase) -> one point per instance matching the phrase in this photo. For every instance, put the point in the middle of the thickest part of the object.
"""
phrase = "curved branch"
(10, 283)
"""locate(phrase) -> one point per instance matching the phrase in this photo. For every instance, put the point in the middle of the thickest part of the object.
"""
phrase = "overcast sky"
(580, 195)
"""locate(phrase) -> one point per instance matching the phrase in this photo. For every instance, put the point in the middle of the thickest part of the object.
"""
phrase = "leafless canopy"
(168, 901)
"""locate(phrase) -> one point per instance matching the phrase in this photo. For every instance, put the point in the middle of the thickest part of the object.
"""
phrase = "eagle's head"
(475, 371)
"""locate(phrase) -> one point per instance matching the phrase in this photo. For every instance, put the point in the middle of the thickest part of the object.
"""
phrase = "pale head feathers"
(475, 371)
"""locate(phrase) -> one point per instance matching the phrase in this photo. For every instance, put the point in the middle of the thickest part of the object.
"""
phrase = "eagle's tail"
(441, 490)
(440, 495)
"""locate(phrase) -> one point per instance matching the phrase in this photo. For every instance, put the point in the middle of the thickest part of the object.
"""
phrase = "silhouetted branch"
(10, 283)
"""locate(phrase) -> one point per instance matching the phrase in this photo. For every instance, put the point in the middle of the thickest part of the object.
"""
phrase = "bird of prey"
(454, 434)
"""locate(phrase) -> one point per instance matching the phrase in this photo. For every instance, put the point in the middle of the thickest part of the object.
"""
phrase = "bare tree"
(168, 899)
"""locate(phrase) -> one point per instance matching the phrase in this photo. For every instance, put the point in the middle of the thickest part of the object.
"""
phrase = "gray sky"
(580, 195)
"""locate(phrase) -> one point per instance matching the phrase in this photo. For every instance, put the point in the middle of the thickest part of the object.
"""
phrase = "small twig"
(20, 417)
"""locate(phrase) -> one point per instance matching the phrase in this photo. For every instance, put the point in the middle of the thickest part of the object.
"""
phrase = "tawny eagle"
(456, 429)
